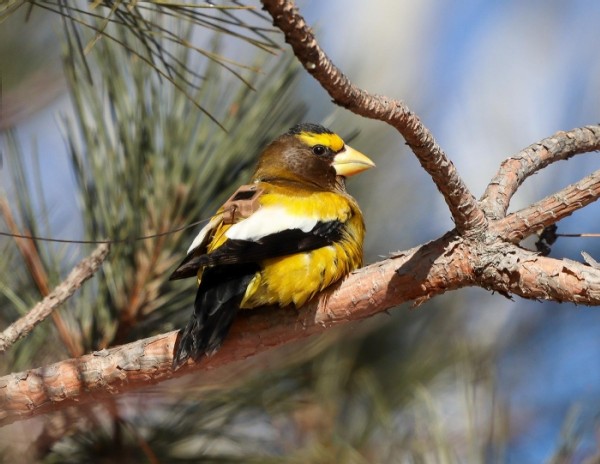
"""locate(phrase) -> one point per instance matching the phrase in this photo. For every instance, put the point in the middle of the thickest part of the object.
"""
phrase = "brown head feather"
(289, 159)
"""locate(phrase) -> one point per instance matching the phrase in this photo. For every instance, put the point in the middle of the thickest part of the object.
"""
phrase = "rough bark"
(445, 264)
(468, 216)
(82, 272)
(481, 251)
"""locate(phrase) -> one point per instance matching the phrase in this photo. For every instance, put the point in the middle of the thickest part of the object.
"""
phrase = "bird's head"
(310, 154)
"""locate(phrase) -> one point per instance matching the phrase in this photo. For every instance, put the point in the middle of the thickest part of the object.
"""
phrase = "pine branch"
(528, 221)
(479, 252)
(450, 262)
(82, 272)
(515, 170)
(466, 212)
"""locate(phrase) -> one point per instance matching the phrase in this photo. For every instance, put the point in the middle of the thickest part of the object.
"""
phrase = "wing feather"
(274, 230)
(281, 243)
(197, 248)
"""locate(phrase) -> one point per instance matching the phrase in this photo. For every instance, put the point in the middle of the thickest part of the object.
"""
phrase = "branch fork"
(482, 251)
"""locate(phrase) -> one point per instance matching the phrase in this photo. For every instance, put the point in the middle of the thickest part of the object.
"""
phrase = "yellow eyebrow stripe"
(332, 141)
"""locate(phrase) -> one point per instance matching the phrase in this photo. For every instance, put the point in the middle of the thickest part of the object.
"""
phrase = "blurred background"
(101, 138)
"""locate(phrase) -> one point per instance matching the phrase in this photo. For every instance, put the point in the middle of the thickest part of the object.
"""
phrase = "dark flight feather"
(219, 295)
(282, 243)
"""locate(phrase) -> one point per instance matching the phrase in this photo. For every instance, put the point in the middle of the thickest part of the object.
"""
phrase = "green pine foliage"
(146, 161)
(148, 158)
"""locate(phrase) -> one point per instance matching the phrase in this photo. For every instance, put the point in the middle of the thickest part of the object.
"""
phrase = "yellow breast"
(294, 279)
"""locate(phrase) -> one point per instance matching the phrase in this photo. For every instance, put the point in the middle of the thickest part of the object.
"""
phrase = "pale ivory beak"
(349, 162)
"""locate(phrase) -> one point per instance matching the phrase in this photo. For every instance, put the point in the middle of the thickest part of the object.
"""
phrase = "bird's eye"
(319, 150)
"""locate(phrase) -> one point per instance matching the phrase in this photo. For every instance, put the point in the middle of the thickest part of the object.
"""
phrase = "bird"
(277, 241)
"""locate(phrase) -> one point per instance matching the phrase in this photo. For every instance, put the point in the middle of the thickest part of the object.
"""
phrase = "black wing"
(282, 243)
(219, 295)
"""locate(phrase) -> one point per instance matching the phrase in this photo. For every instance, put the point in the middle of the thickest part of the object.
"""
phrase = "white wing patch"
(204, 232)
(268, 221)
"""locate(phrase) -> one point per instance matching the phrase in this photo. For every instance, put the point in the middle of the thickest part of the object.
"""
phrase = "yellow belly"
(294, 279)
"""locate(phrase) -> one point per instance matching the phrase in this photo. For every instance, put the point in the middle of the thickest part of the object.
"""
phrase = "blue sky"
(488, 78)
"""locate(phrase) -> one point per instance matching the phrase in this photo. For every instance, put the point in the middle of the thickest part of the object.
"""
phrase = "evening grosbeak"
(278, 241)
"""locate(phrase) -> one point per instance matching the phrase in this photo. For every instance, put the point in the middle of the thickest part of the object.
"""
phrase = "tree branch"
(125, 368)
(516, 226)
(33, 261)
(450, 262)
(468, 216)
(478, 252)
(82, 272)
(514, 171)
(513, 270)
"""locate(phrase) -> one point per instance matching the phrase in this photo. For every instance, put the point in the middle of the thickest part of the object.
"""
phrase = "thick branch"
(422, 272)
(467, 215)
(514, 171)
(82, 272)
(513, 270)
(469, 256)
(448, 263)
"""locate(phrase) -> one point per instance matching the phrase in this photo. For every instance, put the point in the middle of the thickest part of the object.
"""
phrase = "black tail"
(219, 295)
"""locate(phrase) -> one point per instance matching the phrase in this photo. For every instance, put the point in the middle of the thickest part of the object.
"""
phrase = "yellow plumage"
(297, 278)
(280, 241)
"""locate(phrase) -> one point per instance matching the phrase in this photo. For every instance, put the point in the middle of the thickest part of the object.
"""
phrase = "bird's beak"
(349, 162)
